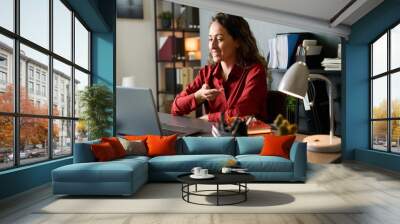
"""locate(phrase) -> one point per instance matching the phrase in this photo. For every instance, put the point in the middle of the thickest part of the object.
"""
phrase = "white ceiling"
(320, 9)
(312, 15)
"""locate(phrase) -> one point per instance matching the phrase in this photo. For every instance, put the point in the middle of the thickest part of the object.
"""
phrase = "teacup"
(203, 172)
(226, 170)
(196, 170)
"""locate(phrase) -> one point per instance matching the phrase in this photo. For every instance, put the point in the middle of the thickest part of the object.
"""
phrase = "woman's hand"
(204, 117)
(205, 93)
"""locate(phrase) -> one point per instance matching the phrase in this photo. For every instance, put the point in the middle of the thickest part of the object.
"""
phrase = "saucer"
(208, 176)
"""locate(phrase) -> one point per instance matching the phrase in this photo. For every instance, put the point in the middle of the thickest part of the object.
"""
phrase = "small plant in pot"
(96, 102)
(165, 18)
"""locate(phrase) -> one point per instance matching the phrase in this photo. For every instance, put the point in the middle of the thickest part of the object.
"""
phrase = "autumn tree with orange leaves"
(33, 131)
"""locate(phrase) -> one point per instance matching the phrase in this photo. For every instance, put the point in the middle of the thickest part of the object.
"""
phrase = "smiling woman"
(234, 82)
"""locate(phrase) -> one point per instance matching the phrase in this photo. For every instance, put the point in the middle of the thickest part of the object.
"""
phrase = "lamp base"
(321, 143)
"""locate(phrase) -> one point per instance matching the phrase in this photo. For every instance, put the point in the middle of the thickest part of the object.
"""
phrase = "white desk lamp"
(295, 83)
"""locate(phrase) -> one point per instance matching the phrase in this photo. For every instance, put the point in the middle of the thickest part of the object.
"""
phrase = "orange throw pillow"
(135, 137)
(116, 145)
(161, 145)
(277, 145)
(103, 152)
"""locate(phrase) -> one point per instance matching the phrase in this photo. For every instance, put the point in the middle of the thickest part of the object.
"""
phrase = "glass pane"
(62, 141)
(62, 89)
(35, 21)
(81, 131)
(81, 45)
(6, 74)
(379, 98)
(395, 138)
(7, 14)
(81, 81)
(34, 96)
(6, 142)
(395, 94)
(33, 139)
(62, 29)
(379, 56)
(379, 135)
(395, 47)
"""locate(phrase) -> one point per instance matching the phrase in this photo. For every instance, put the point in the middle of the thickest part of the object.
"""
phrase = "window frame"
(388, 74)
(16, 114)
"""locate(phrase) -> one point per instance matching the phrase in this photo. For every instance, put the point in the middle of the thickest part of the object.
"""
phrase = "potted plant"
(96, 102)
(165, 18)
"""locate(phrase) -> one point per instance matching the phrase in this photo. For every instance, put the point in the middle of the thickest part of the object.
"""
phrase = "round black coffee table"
(238, 179)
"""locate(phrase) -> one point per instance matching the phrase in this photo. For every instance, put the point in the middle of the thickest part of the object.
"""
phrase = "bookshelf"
(177, 40)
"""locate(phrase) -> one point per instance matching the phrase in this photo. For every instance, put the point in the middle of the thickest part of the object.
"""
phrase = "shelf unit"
(176, 65)
(316, 120)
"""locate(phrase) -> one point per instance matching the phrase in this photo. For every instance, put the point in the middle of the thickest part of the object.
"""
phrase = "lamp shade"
(295, 80)
(192, 44)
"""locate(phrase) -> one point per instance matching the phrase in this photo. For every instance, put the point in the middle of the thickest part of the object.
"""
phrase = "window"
(30, 87)
(7, 14)
(81, 45)
(385, 96)
(3, 78)
(30, 72)
(45, 131)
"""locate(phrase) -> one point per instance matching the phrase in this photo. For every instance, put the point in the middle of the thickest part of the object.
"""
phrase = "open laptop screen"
(136, 112)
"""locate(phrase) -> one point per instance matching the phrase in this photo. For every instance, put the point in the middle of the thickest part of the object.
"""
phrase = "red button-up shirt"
(245, 92)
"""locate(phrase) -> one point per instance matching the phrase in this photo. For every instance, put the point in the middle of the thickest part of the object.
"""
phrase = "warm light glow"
(192, 44)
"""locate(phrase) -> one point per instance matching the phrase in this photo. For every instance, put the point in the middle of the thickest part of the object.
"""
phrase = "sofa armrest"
(83, 152)
(298, 155)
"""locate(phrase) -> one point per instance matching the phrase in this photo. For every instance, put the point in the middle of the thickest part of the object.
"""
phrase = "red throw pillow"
(135, 137)
(277, 145)
(161, 145)
(103, 151)
(116, 145)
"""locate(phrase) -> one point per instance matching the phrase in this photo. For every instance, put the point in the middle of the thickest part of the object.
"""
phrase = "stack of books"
(332, 64)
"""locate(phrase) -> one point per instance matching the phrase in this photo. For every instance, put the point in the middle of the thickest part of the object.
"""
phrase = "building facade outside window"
(384, 91)
(52, 134)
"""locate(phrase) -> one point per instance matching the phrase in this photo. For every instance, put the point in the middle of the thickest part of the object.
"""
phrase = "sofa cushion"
(249, 145)
(112, 171)
(257, 163)
(116, 145)
(83, 152)
(207, 145)
(185, 163)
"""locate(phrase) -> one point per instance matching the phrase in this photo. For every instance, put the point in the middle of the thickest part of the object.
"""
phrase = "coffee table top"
(220, 178)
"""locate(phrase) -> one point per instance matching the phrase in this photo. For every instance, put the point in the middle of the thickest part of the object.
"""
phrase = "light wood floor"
(379, 190)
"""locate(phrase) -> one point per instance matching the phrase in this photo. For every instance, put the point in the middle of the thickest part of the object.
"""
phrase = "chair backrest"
(276, 104)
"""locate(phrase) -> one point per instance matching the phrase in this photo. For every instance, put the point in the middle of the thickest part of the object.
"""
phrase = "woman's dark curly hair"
(239, 29)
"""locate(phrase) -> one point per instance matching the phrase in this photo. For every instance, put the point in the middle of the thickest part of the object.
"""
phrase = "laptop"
(137, 115)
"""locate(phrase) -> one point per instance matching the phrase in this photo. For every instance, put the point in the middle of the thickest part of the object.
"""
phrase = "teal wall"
(356, 107)
(99, 16)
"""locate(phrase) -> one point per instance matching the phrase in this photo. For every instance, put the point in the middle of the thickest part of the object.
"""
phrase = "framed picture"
(132, 9)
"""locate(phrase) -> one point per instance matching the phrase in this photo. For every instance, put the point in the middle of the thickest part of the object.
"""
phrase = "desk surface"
(181, 121)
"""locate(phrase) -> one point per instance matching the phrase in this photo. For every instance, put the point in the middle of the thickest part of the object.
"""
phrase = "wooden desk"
(205, 127)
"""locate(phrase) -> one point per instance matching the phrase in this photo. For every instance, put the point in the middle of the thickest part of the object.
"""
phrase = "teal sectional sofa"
(125, 176)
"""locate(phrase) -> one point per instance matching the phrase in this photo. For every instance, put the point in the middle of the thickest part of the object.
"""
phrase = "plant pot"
(166, 23)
